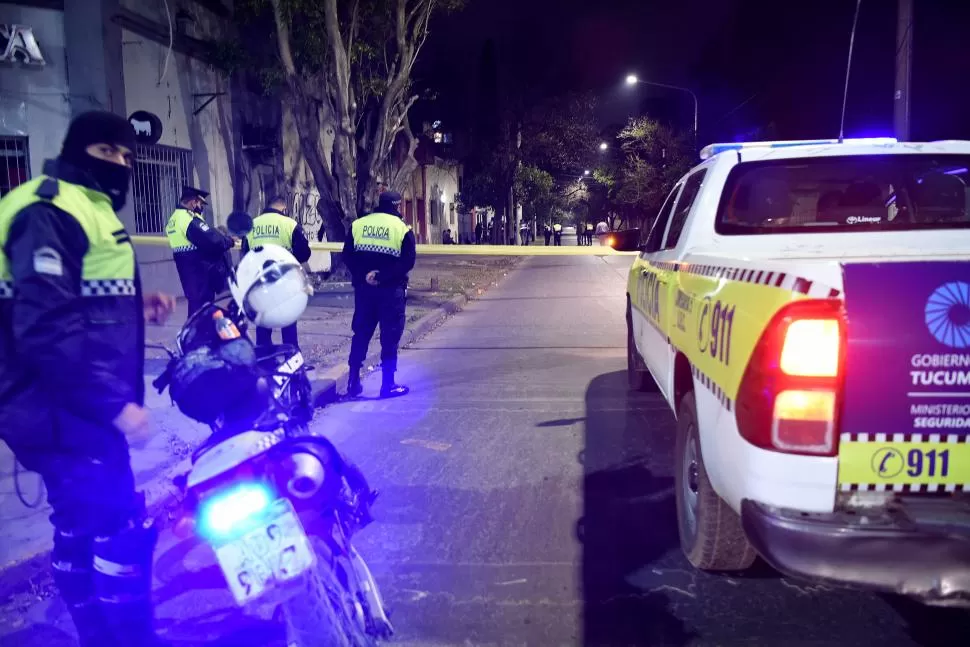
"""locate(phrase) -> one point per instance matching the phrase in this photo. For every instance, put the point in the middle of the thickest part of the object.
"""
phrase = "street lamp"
(585, 172)
(632, 80)
(604, 146)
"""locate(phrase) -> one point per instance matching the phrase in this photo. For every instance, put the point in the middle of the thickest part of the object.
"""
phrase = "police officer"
(274, 227)
(557, 234)
(379, 252)
(71, 373)
(198, 249)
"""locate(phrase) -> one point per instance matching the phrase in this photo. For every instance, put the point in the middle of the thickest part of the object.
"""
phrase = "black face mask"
(113, 179)
(199, 209)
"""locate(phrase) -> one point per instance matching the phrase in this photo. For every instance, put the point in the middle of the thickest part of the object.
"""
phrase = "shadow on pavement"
(629, 521)
(40, 634)
(931, 626)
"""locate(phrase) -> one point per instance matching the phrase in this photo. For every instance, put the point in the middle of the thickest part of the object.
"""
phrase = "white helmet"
(270, 287)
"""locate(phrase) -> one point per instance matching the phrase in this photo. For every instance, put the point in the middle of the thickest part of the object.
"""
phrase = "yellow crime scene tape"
(454, 250)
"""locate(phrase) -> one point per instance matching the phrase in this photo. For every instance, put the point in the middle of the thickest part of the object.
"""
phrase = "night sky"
(783, 63)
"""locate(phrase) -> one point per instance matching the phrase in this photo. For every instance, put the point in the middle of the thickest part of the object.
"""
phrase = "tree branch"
(283, 40)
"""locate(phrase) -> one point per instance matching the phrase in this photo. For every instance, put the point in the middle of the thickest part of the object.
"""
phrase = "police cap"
(392, 198)
(190, 193)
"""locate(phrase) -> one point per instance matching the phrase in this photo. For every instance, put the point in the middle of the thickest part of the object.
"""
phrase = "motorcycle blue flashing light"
(713, 149)
(221, 515)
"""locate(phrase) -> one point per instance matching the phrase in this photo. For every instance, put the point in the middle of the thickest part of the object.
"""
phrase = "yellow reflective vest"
(382, 233)
(177, 230)
(108, 267)
(272, 228)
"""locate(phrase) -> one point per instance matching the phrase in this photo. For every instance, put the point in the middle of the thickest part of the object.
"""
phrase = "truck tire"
(638, 376)
(711, 535)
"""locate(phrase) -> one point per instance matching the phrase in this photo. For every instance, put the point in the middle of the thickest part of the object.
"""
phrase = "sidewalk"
(25, 533)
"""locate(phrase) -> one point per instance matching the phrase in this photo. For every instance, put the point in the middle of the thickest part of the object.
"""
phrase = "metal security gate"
(14, 163)
(160, 173)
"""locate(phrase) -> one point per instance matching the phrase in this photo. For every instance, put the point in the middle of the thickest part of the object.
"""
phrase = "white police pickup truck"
(804, 308)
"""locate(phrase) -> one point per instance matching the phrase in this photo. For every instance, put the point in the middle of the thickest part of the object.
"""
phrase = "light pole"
(604, 146)
(632, 80)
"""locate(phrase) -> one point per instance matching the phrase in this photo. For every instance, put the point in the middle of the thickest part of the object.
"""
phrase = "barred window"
(14, 163)
(160, 173)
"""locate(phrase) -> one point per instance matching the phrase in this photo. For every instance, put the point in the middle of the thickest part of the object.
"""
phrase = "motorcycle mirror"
(239, 223)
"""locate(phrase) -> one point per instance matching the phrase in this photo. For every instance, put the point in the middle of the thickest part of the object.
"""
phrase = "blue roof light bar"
(713, 149)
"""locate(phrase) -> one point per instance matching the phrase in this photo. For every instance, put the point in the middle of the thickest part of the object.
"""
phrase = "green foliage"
(633, 185)
(535, 190)
(559, 134)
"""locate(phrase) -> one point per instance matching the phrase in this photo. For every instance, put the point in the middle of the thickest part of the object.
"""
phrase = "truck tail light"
(789, 397)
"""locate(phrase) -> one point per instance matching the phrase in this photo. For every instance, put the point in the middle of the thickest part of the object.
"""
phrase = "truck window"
(687, 197)
(849, 193)
(652, 244)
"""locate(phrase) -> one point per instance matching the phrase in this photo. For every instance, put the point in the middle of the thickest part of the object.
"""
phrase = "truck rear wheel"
(711, 535)
(638, 376)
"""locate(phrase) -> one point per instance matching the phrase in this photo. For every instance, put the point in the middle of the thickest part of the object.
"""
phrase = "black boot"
(92, 629)
(132, 623)
(390, 389)
(354, 387)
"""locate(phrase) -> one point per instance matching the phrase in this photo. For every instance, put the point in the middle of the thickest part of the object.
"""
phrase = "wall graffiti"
(303, 206)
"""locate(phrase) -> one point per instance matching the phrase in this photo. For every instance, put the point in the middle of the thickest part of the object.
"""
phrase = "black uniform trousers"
(373, 306)
(103, 543)
(201, 279)
(264, 336)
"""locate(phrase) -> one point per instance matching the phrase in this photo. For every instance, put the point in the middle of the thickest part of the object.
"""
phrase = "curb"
(161, 494)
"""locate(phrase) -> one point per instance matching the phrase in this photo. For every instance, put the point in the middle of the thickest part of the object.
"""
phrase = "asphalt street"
(527, 499)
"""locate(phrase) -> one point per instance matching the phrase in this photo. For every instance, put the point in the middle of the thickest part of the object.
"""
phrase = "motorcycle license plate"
(274, 552)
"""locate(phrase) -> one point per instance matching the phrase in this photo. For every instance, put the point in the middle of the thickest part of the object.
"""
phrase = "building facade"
(151, 62)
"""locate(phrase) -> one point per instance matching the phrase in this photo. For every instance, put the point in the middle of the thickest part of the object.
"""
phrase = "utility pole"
(904, 63)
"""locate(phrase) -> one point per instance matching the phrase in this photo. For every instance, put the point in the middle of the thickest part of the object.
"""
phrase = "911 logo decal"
(714, 328)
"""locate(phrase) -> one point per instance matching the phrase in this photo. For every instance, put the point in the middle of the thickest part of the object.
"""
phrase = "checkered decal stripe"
(756, 277)
(711, 386)
(6, 290)
(379, 249)
(952, 439)
(184, 249)
(108, 288)
(883, 487)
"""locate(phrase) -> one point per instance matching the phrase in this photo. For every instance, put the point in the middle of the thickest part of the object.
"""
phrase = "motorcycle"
(274, 499)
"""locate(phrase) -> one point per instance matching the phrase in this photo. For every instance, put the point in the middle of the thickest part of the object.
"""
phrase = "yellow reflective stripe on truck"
(715, 314)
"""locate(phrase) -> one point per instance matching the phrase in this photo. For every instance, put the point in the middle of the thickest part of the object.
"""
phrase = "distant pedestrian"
(479, 230)
(198, 249)
(589, 233)
(557, 234)
(547, 233)
(379, 252)
(275, 227)
(601, 230)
